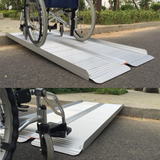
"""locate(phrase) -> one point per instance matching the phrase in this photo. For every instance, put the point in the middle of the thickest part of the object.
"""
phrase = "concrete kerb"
(1, 16)
(140, 112)
(121, 27)
(4, 40)
(126, 111)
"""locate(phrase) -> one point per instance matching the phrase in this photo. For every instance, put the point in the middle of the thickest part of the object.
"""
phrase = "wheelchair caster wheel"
(47, 147)
(61, 30)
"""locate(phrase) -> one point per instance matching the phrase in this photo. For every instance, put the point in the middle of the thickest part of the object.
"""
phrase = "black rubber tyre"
(61, 30)
(36, 21)
(85, 21)
(9, 130)
(47, 147)
(25, 32)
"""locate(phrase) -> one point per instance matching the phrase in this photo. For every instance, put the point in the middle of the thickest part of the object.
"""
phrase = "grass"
(112, 91)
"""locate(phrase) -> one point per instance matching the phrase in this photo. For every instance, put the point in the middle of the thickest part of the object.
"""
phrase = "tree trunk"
(135, 5)
(99, 5)
(17, 8)
(116, 5)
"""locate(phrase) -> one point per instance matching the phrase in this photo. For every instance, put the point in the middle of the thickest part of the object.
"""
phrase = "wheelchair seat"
(61, 4)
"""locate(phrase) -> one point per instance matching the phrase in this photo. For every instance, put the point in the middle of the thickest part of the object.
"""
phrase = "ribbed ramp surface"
(92, 59)
(115, 52)
(132, 55)
(87, 120)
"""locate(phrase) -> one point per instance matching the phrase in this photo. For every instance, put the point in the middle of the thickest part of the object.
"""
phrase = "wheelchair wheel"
(84, 21)
(36, 21)
(47, 147)
(9, 124)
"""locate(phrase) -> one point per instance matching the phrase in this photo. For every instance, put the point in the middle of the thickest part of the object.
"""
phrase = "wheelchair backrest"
(61, 3)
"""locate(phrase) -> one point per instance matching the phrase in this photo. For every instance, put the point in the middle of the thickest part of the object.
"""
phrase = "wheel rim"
(6, 128)
(36, 20)
(47, 148)
(84, 21)
(9, 130)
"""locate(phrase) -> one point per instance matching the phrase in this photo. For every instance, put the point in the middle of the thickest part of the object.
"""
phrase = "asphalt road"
(21, 67)
(123, 139)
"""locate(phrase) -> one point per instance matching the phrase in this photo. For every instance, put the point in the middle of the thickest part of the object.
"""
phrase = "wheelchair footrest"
(21, 27)
(59, 130)
(52, 27)
(23, 110)
(23, 106)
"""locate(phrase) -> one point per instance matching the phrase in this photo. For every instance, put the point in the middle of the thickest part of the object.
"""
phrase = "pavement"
(5, 26)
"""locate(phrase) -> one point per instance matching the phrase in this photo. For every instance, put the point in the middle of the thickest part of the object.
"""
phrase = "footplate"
(59, 130)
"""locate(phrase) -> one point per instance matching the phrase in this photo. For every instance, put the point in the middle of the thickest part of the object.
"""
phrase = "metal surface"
(90, 121)
(134, 56)
(84, 64)
(107, 50)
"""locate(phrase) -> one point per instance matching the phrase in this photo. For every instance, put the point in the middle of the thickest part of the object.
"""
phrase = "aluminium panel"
(72, 111)
(133, 55)
(85, 130)
(122, 54)
(87, 120)
(84, 64)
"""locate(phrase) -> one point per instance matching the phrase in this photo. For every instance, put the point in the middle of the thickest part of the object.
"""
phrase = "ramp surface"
(87, 120)
(115, 52)
(91, 59)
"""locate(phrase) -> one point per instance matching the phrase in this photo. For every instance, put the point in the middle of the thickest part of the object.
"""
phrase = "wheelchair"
(10, 124)
(39, 16)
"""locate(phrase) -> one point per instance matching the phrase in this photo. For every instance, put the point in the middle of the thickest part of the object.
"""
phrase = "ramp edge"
(120, 46)
(69, 66)
(100, 129)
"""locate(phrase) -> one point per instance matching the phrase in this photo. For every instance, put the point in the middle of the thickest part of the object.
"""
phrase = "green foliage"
(69, 90)
(104, 8)
(155, 6)
(1, 7)
(82, 5)
(113, 91)
(13, 15)
(110, 17)
(144, 4)
(127, 7)
(8, 13)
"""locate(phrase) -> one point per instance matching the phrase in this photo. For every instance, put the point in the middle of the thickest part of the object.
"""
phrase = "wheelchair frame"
(71, 24)
(45, 130)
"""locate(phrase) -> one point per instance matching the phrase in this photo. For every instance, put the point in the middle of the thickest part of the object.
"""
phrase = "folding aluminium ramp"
(93, 59)
(87, 120)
